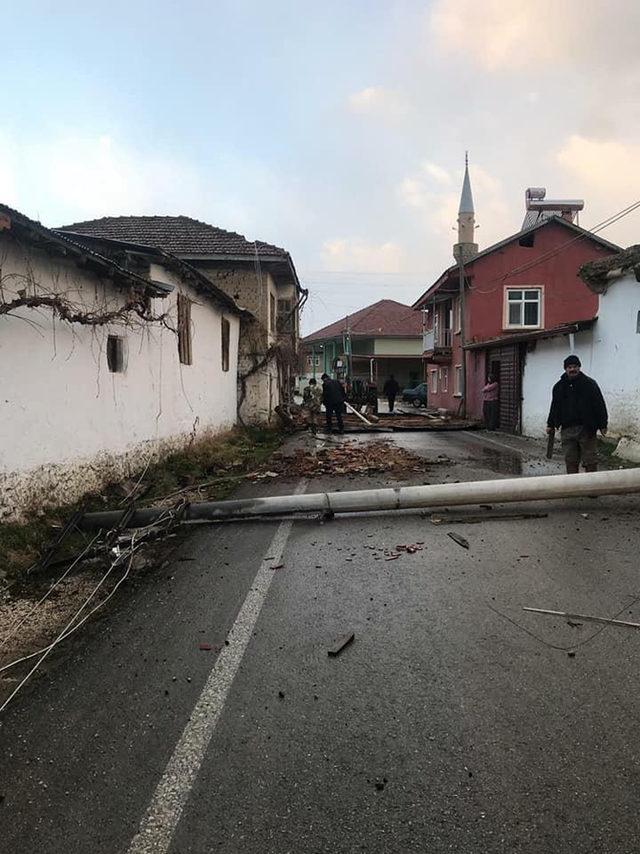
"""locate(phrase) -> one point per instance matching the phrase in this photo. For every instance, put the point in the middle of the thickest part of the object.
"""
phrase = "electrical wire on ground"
(134, 542)
(14, 628)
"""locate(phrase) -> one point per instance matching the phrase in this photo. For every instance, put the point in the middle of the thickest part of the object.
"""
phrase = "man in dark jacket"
(578, 407)
(391, 389)
(333, 397)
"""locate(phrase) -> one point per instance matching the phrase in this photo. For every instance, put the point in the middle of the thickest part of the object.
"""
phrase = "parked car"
(417, 396)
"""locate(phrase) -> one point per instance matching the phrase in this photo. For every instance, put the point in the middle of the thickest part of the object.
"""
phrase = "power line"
(552, 253)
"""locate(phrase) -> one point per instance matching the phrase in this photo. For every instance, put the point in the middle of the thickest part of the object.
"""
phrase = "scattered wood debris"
(587, 617)
(460, 540)
(339, 644)
(347, 458)
(462, 518)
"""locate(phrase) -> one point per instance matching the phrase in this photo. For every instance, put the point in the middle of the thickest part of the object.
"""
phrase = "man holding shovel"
(578, 408)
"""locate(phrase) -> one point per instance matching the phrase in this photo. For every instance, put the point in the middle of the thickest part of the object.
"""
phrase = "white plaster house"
(608, 347)
(258, 276)
(103, 365)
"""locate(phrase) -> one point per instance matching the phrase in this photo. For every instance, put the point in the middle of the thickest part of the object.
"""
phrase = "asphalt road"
(454, 721)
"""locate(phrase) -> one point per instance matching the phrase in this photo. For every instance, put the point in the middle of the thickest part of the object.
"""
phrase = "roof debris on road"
(348, 458)
(460, 540)
(340, 644)
(462, 518)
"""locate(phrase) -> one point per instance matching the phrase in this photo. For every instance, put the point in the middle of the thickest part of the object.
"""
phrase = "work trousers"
(332, 408)
(579, 446)
(391, 400)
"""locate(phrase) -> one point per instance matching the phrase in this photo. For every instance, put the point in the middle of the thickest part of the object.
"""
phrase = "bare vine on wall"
(281, 353)
(23, 290)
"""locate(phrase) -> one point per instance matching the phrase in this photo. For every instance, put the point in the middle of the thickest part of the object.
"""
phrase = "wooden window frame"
(457, 381)
(185, 350)
(284, 316)
(116, 354)
(433, 381)
(225, 333)
(272, 312)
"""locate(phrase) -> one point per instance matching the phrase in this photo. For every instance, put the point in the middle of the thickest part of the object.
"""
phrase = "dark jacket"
(391, 388)
(332, 393)
(577, 401)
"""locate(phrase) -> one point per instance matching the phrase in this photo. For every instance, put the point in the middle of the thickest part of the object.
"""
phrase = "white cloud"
(521, 34)
(380, 102)
(438, 200)
(358, 255)
(606, 174)
(95, 176)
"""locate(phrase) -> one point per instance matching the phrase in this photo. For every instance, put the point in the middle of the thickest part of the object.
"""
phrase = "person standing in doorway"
(390, 390)
(333, 397)
(491, 403)
(578, 408)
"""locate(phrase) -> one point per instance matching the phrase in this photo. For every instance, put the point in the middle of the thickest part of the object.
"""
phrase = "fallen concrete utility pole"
(399, 498)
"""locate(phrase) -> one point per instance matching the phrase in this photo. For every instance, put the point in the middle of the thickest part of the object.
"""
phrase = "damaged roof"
(14, 222)
(89, 254)
(384, 318)
(187, 238)
(598, 274)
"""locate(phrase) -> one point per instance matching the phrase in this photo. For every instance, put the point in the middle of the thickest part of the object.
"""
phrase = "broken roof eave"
(533, 335)
(161, 256)
(81, 255)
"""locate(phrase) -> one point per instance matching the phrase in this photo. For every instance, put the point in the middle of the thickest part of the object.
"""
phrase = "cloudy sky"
(336, 129)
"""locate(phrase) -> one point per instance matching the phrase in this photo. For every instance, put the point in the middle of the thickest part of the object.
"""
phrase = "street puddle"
(500, 461)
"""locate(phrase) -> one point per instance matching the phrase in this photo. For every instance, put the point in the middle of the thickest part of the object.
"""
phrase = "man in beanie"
(578, 407)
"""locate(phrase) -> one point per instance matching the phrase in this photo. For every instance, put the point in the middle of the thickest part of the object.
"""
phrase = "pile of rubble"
(348, 458)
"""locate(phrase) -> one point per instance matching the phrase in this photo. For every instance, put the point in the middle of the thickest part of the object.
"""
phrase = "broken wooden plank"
(460, 518)
(339, 644)
(457, 538)
(571, 616)
(355, 412)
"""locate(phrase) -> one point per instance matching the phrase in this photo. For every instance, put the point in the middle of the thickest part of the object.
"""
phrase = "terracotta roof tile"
(180, 235)
(384, 318)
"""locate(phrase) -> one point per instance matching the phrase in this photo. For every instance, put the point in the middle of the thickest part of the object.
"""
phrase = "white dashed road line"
(164, 812)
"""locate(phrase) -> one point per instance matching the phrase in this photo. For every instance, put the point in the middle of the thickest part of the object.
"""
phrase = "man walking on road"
(390, 390)
(578, 407)
(333, 397)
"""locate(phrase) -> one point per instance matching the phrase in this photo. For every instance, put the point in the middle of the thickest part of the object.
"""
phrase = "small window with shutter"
(226, 329)
(184, 329)
(285, 315)
(115, 354)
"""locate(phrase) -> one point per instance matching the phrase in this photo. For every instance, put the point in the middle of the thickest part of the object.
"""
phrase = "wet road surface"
(453, 722)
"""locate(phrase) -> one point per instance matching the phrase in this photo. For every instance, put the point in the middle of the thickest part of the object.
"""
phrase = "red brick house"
(523, 288)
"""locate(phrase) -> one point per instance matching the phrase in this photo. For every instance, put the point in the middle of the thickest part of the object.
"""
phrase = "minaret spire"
(466, 246)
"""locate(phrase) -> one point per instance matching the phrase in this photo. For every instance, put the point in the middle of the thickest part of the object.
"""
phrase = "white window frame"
(457, 326)
(457, 381)
(433, 384)
(540, 303)
(444, 379)
(313, 361)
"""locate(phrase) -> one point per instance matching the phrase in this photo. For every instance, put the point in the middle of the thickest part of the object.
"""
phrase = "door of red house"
(506, 364)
